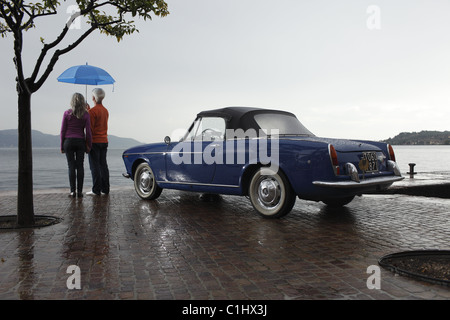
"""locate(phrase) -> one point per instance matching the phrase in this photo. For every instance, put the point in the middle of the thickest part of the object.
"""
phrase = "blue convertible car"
(267, 155)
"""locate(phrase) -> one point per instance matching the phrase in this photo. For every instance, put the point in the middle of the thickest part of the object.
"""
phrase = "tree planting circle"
(10, 222)
(428, 265)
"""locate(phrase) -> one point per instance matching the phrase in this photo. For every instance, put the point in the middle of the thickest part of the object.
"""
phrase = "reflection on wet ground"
(191, 246)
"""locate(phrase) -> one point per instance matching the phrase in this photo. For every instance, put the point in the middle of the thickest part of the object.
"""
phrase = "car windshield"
(285, 124)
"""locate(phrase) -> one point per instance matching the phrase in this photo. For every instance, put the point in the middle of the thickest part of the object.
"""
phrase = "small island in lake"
(421, 138)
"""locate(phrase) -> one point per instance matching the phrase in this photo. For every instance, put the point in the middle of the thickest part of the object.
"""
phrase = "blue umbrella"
(86, 74)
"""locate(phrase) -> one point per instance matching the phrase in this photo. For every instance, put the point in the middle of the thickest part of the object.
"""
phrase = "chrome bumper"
(363, 183)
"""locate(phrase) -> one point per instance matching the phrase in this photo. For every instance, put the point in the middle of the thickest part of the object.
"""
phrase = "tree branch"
(8, 19)
(44, 52)
(14, 12)
(14, 27)
(36, 86)
(53, 44)
(33, 16)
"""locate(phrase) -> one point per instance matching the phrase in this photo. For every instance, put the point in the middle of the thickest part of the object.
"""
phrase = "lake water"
(428, 159)
(50, 166)
(50, 169)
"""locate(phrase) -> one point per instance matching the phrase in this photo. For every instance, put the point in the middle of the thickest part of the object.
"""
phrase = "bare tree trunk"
(25, 206)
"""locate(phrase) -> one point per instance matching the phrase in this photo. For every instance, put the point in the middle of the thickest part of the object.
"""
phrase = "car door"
(194, 159)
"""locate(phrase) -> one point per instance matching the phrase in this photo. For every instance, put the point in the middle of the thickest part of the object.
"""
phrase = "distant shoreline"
(9, 139)
(422, 138)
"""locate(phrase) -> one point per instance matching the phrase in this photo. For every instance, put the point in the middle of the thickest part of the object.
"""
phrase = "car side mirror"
(167, 140)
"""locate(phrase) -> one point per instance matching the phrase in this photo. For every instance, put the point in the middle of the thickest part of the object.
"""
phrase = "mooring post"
(411, 170)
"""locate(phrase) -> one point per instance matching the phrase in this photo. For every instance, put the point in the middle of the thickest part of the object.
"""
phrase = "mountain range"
(9, 139)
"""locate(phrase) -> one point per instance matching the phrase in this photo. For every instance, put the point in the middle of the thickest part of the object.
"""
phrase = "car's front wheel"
(145, 183)
(271, 193)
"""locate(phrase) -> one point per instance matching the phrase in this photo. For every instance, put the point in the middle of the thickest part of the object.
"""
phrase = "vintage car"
(267, 155)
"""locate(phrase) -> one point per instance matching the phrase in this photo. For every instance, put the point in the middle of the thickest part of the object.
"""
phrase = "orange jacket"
(99, 123)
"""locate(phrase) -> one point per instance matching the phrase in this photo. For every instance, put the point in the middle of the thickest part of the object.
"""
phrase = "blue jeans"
(74, 149)
(99, 168)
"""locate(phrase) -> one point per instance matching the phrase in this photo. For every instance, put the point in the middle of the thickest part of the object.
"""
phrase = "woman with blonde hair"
(76, 139)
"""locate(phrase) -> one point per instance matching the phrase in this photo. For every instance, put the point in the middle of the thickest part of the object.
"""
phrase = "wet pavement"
(183, 246)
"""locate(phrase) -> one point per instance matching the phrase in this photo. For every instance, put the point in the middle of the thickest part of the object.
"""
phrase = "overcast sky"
(347, 69)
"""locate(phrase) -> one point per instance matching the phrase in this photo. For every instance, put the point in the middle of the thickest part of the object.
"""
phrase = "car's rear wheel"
(145, 183)
(338, 202)
(271, 193)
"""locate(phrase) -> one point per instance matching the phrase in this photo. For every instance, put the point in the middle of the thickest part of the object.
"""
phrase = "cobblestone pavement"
(183, 246)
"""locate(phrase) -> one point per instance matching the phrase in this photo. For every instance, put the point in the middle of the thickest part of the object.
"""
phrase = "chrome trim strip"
(199, 184)
(143, 153)
(364, 183)
(162, 152)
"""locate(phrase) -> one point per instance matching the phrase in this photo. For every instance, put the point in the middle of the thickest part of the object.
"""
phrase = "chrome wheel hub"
(269, 192)
(146, 181)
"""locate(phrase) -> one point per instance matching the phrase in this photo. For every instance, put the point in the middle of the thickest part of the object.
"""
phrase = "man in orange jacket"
(97, 157)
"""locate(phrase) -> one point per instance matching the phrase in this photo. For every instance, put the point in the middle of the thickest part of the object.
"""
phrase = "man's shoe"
(91, 193)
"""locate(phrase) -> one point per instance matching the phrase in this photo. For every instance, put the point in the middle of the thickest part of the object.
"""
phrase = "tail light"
(391, 152)
(334, 159)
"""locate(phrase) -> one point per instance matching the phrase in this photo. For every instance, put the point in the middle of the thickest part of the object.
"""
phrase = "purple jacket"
(72, 127)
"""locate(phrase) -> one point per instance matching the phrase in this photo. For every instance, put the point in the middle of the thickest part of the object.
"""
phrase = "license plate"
(372, 162)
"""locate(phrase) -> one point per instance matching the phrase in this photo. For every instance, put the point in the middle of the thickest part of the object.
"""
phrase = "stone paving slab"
(185, 247)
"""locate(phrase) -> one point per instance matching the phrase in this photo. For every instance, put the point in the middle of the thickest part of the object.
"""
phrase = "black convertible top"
(241, 117)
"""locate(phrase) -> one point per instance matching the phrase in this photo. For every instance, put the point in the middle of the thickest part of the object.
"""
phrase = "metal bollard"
(411, 170)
